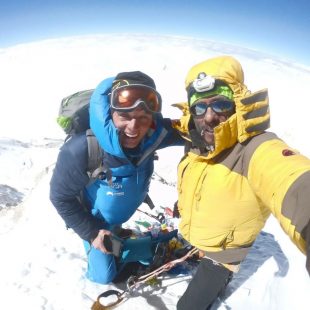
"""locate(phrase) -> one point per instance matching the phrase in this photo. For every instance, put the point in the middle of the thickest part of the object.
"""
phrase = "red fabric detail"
(287, 152)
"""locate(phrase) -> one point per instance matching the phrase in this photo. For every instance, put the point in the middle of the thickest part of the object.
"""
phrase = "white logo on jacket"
(115, 193)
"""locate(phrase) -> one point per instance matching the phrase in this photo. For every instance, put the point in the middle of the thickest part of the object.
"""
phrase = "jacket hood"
(103, 127)
(252, 109)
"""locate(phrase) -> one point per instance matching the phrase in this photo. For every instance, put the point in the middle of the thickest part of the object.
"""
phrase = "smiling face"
(206, 122)
(133, 126)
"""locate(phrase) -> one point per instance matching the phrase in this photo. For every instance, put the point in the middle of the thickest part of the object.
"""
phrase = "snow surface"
(42, 265)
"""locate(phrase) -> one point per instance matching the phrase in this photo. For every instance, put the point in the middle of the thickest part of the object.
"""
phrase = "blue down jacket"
(110, 205)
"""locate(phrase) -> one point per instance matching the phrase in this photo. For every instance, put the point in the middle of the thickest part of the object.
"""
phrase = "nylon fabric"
(238, 128)
(114, 201)
(277, 174)
(103, 127)
(224, 68)
(226, 194)
(223, 209)
(130, 182)
(221, 215)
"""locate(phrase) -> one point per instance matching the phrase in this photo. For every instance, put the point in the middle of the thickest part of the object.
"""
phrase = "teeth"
(209, 130)
(131, 135)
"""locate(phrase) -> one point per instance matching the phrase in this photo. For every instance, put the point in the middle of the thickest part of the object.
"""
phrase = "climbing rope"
(134, 282)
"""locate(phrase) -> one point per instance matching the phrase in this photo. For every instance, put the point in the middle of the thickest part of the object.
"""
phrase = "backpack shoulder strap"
(95, 154)
(96, 168)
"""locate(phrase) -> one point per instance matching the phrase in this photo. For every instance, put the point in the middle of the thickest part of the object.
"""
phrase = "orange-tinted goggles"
(128, 97)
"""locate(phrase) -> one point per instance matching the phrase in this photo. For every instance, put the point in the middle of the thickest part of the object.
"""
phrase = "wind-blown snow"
(42, 264)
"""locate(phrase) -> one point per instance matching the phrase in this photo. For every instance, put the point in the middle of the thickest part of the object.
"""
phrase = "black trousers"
(208, 282)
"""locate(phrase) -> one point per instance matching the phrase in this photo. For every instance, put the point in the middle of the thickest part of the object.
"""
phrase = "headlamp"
(205, 86)
(203, 83)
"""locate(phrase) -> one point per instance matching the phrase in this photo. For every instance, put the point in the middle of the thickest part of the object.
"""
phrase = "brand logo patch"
(115, 193)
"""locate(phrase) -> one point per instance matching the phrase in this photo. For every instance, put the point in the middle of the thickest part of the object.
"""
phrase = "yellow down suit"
(226, 195)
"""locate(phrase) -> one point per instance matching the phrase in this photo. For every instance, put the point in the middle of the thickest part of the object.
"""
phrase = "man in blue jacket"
(125, 116)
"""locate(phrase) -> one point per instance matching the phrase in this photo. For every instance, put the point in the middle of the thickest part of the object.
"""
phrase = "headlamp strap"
(218, 90)
(205, 86)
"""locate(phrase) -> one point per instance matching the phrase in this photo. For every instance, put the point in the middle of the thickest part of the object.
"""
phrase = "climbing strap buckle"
(98, 306)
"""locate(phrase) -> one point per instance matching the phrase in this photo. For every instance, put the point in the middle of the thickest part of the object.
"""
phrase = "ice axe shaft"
(159, 217)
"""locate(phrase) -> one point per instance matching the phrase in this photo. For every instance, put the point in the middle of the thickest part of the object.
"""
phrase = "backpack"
(73, 118)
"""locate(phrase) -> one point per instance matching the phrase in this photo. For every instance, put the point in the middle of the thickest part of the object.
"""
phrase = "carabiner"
(98, 306)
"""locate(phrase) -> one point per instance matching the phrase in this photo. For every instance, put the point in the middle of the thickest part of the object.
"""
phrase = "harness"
(134, 282)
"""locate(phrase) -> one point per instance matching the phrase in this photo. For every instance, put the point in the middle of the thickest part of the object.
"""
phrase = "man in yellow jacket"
(234, 175)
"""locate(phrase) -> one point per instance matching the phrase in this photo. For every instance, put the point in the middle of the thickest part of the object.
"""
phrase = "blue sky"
(276, 27)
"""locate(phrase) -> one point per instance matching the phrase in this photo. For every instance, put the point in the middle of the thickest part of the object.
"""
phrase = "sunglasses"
(221, 107)
(128, 97)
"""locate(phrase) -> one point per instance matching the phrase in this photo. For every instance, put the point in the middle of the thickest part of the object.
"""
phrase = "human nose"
(209, 116)
(132, 124)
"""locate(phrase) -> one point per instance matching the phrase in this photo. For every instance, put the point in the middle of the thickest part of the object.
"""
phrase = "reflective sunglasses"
(128, 97)
(221, 107)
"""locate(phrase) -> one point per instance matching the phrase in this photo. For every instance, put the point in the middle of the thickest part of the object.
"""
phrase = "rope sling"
(134, 282)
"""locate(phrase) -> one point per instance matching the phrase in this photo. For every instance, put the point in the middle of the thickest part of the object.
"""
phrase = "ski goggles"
(221, 107)
(128, 97)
